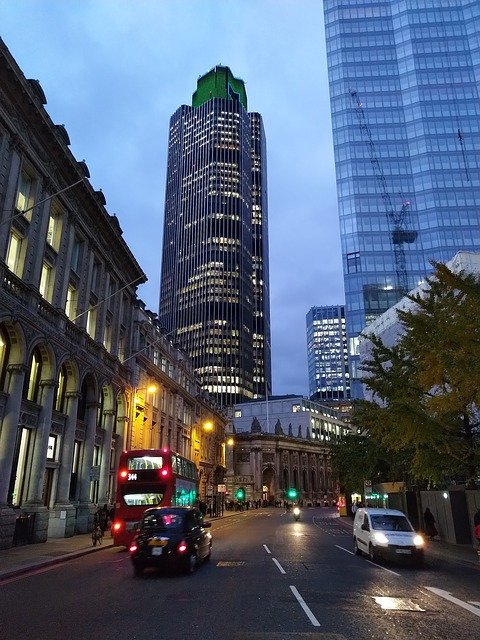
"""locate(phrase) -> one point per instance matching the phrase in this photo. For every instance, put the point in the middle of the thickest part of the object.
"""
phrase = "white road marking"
(266, 548)
(282, 570)
(444, 594)
(476, 604)
(304, 606)
(343, 549)
(384, 568)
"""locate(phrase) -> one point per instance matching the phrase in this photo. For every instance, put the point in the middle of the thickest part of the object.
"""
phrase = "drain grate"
(230, 563)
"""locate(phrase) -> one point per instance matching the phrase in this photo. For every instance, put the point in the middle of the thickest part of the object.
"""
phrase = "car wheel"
(191, 562)
(358, 552)
(372, 553)
(138, 568)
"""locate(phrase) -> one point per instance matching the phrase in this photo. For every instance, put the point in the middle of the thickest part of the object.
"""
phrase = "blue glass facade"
(327, 354)
(404, 87)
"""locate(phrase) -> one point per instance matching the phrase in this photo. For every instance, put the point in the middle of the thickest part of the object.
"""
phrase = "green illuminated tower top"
(219, 82)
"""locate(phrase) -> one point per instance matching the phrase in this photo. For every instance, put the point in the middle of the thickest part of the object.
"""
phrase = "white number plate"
(407, 552)
(157, 551)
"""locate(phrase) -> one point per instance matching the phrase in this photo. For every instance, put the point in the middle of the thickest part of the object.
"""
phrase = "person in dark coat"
(430, 528)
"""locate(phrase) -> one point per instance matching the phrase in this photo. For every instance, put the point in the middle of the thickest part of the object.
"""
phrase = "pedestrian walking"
(430, 528)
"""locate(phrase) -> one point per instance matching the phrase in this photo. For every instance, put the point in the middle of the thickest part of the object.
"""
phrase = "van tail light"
(182, 547)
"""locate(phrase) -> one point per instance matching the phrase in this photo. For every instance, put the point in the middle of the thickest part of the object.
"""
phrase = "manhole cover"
(397, 604)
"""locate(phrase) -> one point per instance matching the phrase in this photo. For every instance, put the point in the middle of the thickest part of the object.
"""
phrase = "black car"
(171, 536)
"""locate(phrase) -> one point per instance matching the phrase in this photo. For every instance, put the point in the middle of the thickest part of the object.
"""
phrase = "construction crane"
(399, 233)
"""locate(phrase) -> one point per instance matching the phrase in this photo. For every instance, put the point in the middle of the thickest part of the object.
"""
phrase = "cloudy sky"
(114, 71)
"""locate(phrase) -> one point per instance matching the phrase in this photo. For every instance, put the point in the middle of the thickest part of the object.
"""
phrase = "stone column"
(103, 496)
(34, 502)
(85, 508)
(62, 520)
(8, 436)
(257, 473)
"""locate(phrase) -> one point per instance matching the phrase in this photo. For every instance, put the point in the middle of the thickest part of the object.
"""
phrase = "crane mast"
(399, 234)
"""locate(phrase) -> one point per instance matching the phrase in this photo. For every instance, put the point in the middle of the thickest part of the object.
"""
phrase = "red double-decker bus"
(149, 478)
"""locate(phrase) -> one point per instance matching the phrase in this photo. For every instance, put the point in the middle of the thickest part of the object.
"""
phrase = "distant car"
(171, 536)
(387, 534)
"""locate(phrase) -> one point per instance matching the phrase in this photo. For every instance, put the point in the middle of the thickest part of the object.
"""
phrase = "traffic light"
(240, 494)
(292, 494)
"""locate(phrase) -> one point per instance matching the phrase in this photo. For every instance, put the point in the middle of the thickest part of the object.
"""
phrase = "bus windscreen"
(144, 463)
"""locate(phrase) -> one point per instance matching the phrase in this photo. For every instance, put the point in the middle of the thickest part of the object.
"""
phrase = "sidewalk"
(17, 560)
(463, 553)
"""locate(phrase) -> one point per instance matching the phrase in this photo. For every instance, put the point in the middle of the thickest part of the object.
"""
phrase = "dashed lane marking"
(304, 606)
(266, 548)
(282, 570)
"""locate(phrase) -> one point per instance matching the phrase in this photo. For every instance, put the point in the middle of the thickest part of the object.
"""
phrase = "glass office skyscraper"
(327, 354)
(404, 87)
(214, 284)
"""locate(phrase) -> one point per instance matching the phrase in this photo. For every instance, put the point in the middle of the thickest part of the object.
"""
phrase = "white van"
(386, 533)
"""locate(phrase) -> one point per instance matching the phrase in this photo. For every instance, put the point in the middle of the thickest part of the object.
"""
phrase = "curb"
(53, 561)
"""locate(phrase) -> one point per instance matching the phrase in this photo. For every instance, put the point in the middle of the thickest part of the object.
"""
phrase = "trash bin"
(24, 529)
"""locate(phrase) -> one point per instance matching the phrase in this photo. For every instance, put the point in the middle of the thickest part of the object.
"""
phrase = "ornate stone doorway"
(268, 482)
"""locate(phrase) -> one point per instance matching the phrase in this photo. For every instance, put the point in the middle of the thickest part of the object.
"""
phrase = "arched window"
(32, 380)
(82, 402)
(60, 391)
(313, 480)
(4, 355)
(304, 480)
(285, 479)
(295, 479)
(100, 409)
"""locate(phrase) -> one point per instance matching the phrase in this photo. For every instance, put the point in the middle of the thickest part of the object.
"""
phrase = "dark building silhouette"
(214, 284)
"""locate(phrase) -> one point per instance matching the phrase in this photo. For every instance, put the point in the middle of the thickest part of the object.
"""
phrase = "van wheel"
(358, 552)
(372, 553)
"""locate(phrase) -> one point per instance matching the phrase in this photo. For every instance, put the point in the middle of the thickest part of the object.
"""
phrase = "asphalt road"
(270, 578)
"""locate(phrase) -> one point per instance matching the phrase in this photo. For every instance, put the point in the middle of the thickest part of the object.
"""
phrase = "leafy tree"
(359, 457)
(425, 387)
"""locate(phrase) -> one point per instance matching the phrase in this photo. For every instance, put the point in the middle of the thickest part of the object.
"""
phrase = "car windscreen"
(390, 523)
(163, 521)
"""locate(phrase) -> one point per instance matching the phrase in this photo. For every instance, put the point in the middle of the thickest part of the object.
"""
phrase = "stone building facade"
(71, 348)
(280, 443)
(267, 465)
(169, 408)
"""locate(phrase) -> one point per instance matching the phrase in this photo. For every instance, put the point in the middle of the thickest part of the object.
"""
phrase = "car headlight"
(380, 537)
(418, 541)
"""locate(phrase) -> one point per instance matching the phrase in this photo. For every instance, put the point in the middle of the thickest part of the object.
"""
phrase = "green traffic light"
(240, 494)
(292, 494)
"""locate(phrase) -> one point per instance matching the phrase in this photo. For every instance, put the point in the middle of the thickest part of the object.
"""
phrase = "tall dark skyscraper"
(214, 293)
(404, 88)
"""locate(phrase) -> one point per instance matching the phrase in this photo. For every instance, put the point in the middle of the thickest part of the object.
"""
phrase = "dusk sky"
(114, 71)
